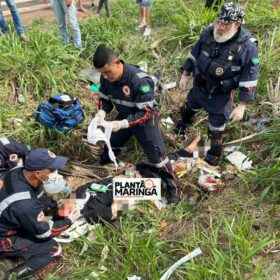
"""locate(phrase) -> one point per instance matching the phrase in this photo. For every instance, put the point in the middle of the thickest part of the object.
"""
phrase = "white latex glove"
(117, 125)
(100, 116)
(184, 82)
(74, 215)
(238, 113)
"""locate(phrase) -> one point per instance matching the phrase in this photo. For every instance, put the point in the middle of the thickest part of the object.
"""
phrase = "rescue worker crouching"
(12, 153)
(24, 229)
(131, 91)
(224, 58)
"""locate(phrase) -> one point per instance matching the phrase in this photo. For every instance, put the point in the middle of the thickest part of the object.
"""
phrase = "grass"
(237, 229)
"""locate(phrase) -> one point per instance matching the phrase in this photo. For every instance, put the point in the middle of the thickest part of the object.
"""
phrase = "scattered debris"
(79, 228)
(230, 149)
(209, 181)
(169, 86)
(160, 204)
(97, 274)
(134, 277)
(21, 99)
(16, 121)
(90, 75)
(230, 172)
(104, 253)
(258, 124)
(188, 257)
(240, 161)
(167, 123)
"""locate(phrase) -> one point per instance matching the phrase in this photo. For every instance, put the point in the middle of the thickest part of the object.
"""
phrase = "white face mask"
(55, 183)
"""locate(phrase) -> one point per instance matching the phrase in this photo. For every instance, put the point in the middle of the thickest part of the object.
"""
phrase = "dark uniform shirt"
(132, 95)
(220, 68)
(22, 210)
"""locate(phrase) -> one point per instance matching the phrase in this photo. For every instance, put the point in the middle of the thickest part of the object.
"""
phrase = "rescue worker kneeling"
(24, 229)
(131, 92)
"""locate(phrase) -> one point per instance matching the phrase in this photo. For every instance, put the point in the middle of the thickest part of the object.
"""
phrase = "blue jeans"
(16, 18)
(62, 12)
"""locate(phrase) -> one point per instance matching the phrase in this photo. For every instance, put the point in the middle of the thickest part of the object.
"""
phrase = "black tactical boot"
(173, 196)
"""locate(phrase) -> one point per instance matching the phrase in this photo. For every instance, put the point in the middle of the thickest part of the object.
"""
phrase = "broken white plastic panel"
(239, 160)
(188, 257)
(95, 134)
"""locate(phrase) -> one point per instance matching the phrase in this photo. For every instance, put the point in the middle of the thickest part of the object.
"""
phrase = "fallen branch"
(245, 139)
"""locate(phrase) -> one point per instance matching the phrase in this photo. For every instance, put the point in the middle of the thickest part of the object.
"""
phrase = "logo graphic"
(126, 91)
(136, 188)
(219, 71)
(146, 88)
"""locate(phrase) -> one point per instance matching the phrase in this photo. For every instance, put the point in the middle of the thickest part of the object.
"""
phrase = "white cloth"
(77, 229)
(95, 134)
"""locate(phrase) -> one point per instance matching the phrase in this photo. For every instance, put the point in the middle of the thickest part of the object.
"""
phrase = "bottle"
(98, 188)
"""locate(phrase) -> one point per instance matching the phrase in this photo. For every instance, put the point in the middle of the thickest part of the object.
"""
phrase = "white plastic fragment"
(169, 86)
(78, 229)
(143, 65)
(95, 134)
(167, 123)
(186, 258)
(134, 277)
(239, 160)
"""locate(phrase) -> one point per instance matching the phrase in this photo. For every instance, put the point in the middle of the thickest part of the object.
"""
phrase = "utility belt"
(211, 87)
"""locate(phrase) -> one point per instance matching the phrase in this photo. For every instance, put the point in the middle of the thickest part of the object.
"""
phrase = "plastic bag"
(96, 134)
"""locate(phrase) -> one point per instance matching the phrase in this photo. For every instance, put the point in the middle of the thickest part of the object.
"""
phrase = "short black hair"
(102, 56)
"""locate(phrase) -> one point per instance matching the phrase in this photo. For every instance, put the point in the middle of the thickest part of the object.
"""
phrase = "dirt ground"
(47, 13)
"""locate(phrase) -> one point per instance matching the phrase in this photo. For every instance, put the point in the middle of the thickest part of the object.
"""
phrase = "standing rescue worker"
(224, 58)
(12, 153)
(131, 91)
(24, 229)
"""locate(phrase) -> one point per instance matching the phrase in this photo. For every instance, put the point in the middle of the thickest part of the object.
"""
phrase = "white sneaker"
(140, 26)
(147, 32)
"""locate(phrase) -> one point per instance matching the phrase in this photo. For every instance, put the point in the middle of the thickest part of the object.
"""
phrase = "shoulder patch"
(146, 88)
(255, 61)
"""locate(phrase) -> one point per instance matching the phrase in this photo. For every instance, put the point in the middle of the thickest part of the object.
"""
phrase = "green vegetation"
(238, 228)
